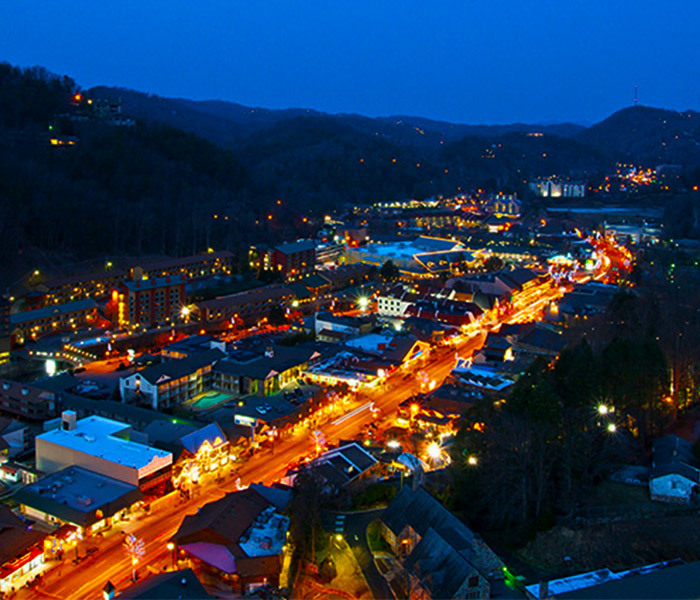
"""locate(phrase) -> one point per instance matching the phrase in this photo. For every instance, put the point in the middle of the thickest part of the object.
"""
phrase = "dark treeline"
(542, 450)
(625, 377)
(154, 189)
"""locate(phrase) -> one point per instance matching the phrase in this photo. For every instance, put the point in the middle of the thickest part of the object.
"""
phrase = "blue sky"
(485, 61)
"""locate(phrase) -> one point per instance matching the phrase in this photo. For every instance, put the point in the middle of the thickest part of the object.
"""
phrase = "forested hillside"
(243, 175)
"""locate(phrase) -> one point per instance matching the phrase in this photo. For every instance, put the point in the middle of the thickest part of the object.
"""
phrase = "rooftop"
(182, 584)
(298, 246)
(177, 368)
(228, 531)
(154, 282)
(78, 496)
(52, 311)
(16, 537)
(98, 436)
(671, 579)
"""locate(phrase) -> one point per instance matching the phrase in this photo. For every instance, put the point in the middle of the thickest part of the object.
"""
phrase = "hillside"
(226, 123)
(648, 136)
(192, 175)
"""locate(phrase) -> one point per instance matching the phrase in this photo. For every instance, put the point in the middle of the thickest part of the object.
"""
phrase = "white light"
(434, 450)
(612, 428)
(363, 302)
(602, 409)
(472, 460)
(50, 366)
(394, 444)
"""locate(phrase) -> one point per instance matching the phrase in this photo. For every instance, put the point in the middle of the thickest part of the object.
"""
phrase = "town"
(154, 424)
(349, 301)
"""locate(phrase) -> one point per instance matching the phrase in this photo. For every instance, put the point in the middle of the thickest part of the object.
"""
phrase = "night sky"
(484, 61)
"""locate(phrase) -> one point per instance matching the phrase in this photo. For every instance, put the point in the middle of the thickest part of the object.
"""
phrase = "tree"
(389, 271)
(493, 263)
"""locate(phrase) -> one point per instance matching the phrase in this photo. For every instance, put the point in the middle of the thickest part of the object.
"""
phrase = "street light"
(434, 450)
(171, 547)
(612, 428)
(363, 302)
(603, 409)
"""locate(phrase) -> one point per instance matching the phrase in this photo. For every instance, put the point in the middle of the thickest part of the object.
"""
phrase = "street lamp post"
(171, 547)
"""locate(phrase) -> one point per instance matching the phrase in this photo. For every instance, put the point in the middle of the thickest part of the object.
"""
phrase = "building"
(185, 441)
(482, 380)
(347, 326)
(390, 350)
(197, 266)
(395, 302)
(451, 312)
(238, 539)
(181, 584)
(148, 302)
(420, 257)
(291, 261)
(26, 401)
(346, 275)
(557, 188)
(21, 550)
(102, 446)
(672, 580)
(503, 205)
(245, 308)
(97, 286)
(260, 372)
(440, 556)
(191, 345)
(171, 382)
(330, 253)
(343, 465)
(33, 324)
(78, 496)
(675, 472)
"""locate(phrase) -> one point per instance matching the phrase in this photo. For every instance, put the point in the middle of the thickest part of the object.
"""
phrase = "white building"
(675, 474)
(556, 188)
(395, 302)
(103, 446)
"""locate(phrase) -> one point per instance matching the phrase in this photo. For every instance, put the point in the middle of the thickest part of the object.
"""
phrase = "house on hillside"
(675, 472)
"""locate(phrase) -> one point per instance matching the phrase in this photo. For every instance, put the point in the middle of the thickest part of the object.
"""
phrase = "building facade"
(148, 302)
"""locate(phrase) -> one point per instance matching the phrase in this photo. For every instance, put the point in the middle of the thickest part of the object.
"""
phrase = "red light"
(77, 97)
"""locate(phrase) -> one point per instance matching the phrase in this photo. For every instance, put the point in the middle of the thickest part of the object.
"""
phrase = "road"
(87, 579)
(110, 563)
(355, 534)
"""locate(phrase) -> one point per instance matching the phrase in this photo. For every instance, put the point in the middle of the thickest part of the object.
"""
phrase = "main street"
(110, 562)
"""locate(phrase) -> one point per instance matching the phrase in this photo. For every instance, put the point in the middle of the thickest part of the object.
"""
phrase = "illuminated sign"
(244, 420)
